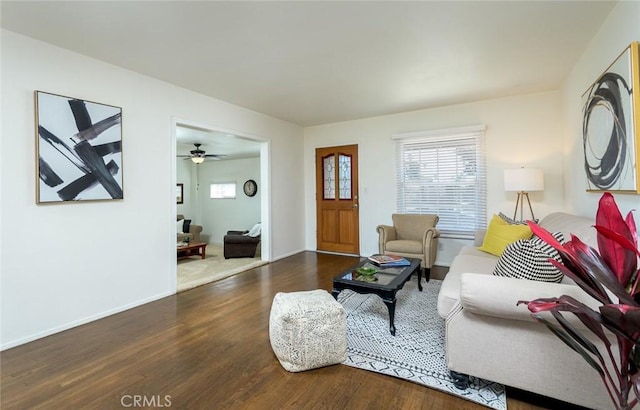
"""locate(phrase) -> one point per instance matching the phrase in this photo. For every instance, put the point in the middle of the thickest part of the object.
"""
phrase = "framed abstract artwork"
(611, 126)
(78, 150)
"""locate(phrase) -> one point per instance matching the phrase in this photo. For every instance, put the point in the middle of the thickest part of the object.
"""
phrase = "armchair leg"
(460, 380)
(427, 274)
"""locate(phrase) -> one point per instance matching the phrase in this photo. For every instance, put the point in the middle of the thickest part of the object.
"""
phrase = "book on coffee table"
(389, 260)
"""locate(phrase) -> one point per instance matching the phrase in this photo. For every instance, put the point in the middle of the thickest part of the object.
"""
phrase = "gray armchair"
(411, 236)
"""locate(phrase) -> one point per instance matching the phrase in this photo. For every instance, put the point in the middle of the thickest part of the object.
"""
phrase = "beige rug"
(195, 271)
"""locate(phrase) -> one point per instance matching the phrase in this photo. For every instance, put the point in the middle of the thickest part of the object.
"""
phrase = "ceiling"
(318, 62)
(215, 142)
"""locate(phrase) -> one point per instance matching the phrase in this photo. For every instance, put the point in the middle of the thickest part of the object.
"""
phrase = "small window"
(225, 190)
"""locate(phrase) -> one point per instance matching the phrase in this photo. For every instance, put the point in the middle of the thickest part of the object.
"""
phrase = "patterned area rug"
(417, 352)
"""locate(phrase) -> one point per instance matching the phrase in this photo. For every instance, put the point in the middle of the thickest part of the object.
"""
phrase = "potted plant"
(611, 271)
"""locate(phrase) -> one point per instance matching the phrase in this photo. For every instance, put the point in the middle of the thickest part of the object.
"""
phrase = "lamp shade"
(523, 179)
(197, 160)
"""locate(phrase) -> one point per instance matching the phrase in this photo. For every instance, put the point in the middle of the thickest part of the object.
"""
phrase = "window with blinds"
(222, 190)
(443, 173)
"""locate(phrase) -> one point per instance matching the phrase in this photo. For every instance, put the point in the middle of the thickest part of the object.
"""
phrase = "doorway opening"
(230, 159)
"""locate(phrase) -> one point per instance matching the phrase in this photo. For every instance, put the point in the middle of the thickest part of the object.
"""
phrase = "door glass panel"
(329, 177)
(345, 176)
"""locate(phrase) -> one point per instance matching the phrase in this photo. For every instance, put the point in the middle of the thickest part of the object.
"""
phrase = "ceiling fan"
(198, 156)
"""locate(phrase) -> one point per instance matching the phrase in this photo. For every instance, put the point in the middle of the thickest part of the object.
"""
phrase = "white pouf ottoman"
(307, 330)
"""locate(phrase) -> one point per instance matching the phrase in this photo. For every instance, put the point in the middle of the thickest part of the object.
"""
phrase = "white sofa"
(488, 336)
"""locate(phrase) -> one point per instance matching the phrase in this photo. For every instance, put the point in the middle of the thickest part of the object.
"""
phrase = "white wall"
(222, 215)
(63, 265)
(521, 131)
(619, 29)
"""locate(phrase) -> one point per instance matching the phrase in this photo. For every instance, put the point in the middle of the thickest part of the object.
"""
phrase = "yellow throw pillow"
(500, 234)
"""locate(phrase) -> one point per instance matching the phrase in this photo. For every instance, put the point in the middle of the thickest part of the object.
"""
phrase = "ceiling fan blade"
(199, 153)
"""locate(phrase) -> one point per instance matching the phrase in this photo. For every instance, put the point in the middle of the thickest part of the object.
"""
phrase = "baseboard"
(338, 253)
(286, 255)
(80, 322)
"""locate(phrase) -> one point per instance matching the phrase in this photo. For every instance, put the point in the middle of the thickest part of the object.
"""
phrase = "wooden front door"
(338, 226)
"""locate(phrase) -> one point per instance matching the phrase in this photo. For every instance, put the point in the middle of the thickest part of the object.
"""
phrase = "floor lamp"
(523, 181)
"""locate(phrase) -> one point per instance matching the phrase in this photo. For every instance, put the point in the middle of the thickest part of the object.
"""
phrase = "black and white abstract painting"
(610, 126)
(79, 149)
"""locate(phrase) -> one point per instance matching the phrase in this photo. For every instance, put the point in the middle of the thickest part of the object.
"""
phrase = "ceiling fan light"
(197, 160)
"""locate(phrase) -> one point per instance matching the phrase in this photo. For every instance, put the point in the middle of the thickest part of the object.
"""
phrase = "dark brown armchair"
(238, 244)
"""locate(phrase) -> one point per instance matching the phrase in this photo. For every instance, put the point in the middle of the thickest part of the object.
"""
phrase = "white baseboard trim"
(286, 255)
(82, 321)
(338, 253)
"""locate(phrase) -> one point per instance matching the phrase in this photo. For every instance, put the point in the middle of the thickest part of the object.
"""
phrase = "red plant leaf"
(545, 235)
(569, 341)
(614, 269)
(608, 214)
(612, 252)
(540, 305)
(577, 336)
(594, 267)
(595, 290)
(590, 318)
(623, 254)
(625, 347)
(571, 261)
(624, 319)
(585, 266)
(624, 242)
(631, 224)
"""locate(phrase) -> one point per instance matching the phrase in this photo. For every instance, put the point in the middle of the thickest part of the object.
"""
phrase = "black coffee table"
(389, 282)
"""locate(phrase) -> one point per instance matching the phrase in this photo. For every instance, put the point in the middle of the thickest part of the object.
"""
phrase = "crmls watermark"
(140, 400)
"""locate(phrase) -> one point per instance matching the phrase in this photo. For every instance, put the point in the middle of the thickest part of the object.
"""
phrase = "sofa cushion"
(404, 246)
(466, 261)
(529, 259)
(180, 226)
(500, 234)
(475, 251)
(186, 226)
(568, 224)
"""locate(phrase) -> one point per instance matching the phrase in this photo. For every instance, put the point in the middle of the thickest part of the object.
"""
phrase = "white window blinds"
(443, 173)
(222, 191)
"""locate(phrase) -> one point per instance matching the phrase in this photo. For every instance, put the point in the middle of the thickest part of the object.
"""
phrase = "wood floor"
(206, 348)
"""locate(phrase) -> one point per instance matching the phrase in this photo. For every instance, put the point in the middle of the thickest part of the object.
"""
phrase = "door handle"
(355, 205)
